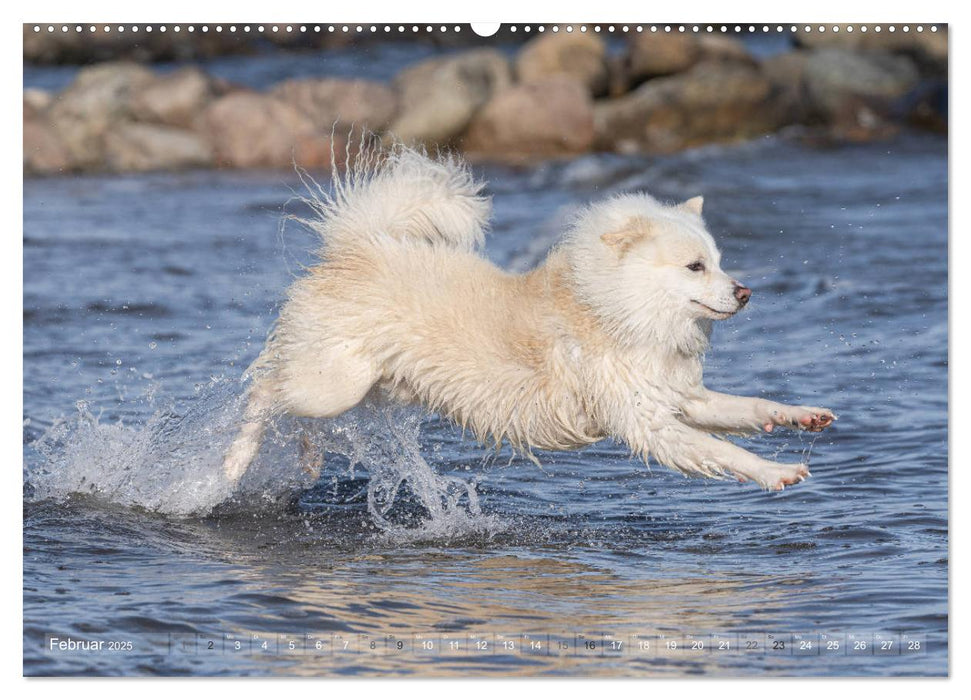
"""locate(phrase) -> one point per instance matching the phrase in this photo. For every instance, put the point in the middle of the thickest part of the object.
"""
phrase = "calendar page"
(603, 349)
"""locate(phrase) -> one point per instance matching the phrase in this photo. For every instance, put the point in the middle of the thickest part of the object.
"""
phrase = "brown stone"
(658, 54)
(581, 56)
(718, 47)
(44, 151)
(249, 130)
(36, 101)
(787, 73)
(545, 118)
(651, 55)
(336, 104)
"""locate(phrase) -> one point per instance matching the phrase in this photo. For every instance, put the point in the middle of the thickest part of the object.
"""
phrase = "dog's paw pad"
(817, 420)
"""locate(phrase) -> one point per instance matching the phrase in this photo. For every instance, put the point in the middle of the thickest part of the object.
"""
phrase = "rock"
(786, 68)
(139, 147)
(617, 77)
(176, 99)
(787, 73)
(99, 97)
(713, 102)
(656, 54)
(927, 48)
(36, 101)
(544, 118)
(581, 56)
(438, 97)
(249, 130)
(340, 104)
(44, 151)
(651, 55)
(848, 88)
(102, 91)
(926, 107)
(718, 47)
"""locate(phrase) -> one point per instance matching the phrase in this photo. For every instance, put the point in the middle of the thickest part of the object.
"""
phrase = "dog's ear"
(621, 240)
(693, 205)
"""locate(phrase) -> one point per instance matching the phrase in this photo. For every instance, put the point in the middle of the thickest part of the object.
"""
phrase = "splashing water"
(168, 464)
(171, 464)
(383, 438)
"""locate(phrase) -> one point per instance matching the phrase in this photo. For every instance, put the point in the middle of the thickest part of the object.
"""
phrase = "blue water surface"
(145, 296)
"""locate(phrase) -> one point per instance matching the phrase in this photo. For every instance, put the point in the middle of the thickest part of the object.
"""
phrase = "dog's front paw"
(800, 418)
(787, 475)
(814, 419)
(773, 476)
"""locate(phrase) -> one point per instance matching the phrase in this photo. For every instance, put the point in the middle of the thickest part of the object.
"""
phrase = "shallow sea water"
(146, 296)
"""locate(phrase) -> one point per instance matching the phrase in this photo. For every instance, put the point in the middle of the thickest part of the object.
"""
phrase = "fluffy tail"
(402, 194)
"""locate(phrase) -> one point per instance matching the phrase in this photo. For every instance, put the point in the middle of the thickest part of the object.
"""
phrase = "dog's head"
(653, 269)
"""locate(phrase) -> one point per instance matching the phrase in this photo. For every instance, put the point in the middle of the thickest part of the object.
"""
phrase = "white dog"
(604, 339)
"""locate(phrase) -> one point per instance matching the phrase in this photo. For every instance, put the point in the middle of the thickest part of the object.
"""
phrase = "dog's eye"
(696, 266)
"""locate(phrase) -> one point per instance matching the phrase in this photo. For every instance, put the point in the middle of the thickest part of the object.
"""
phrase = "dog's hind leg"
(325, 383)
(247, 443)
(312, 385)
(311, 457)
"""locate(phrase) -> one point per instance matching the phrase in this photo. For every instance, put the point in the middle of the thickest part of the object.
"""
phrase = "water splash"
(406, 498)
(171, 464)
(163, 465)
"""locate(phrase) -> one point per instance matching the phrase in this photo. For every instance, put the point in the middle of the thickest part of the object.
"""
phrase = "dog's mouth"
(715, 312)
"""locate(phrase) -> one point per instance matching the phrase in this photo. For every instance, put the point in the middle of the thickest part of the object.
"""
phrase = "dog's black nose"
(743, 294)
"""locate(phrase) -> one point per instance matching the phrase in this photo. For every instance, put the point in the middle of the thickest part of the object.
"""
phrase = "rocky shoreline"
(560, 95)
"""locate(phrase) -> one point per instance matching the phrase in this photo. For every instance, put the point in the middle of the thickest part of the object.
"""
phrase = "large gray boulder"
(712, 102)
(99, 98)
(133, 147)
(176, 99)
(848, 86)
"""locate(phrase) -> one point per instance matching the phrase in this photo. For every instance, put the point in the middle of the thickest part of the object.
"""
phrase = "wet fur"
(605, 339)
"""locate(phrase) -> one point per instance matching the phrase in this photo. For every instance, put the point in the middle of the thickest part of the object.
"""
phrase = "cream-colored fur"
(604, 339)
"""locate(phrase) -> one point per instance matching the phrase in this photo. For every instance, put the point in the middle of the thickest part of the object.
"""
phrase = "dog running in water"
(605, 339)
